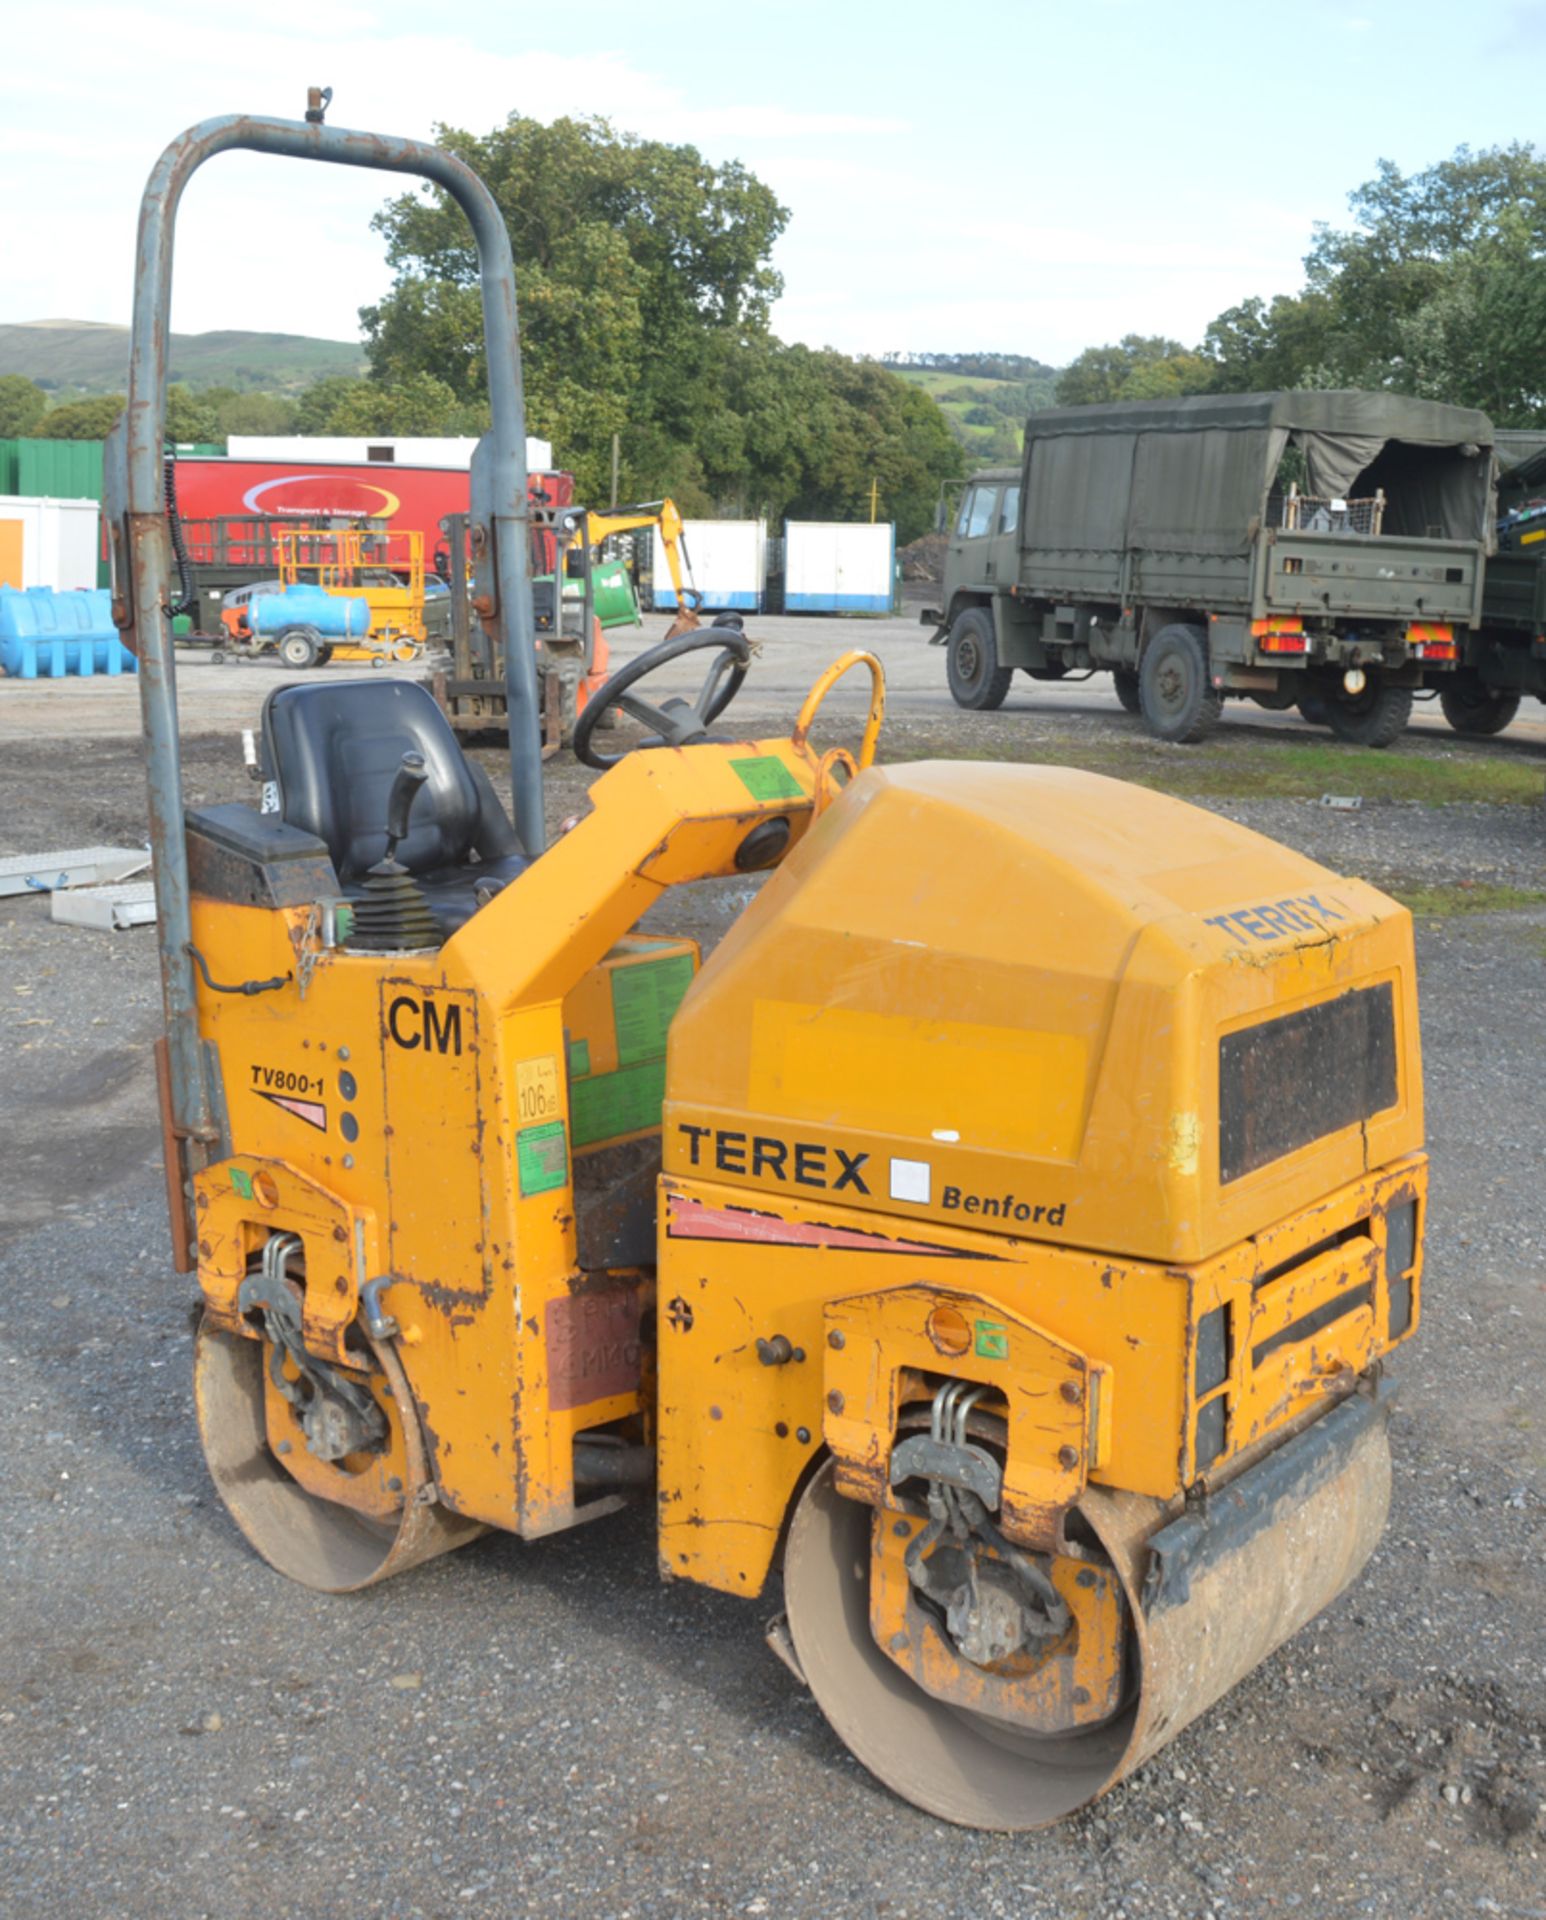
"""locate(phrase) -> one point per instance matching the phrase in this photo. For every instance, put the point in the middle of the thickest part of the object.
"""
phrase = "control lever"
(406, 782)
(391, 914)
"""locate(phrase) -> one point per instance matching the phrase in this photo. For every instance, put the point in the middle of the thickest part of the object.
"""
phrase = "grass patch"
(934, 382)
(1258, 769)
(1427, 902)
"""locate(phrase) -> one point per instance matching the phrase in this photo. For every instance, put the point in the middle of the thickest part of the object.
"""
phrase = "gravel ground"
(545, 1729)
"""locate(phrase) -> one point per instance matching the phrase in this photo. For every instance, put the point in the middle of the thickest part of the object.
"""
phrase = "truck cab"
(982, 559)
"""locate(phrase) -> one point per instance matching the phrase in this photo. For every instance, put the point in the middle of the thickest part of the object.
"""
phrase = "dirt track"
(545, 1729)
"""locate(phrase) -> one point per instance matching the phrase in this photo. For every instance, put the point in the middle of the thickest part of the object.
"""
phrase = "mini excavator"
(994, 1244)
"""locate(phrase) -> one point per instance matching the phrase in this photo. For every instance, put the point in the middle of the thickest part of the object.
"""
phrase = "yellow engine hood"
(1052, 1005)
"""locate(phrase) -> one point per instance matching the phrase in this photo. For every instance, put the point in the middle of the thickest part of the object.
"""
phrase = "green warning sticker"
(541, 1159)
(613, 1104)
(767, 779)
(992, 1341)
(579, 1059)
(241, 1179)
(644, 1000)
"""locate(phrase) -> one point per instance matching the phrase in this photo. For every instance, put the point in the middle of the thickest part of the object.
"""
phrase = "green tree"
(636, 261)
(645, 285)
(804, 435)
(22, 402)
(190, 418)
(316, 404)
(236, 410)
(1259, 347)
(80, 419)
(1435, 289)
(1137, 367)
(418, 404)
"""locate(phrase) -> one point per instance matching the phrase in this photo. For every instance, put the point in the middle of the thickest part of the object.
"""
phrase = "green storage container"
(54, 470)
(60, 469)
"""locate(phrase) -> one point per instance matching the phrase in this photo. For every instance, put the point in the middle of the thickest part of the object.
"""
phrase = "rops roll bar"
(140, 541)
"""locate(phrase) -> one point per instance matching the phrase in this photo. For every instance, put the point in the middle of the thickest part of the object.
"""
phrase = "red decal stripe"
(693, 1220)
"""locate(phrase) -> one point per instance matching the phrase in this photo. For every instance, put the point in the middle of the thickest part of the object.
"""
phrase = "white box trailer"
(48, 543)
(363, 449)
(727, 561)
(839, 566)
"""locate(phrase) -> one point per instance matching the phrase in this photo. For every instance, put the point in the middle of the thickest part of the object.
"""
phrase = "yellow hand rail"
(828, 786)
(824, 685)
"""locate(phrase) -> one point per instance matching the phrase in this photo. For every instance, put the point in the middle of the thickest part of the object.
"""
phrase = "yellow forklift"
(994, 1244)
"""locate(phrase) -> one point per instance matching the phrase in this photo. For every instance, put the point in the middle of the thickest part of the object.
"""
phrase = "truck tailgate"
(1379, 578)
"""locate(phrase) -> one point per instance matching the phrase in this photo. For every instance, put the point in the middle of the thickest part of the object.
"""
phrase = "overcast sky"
(1022, 177)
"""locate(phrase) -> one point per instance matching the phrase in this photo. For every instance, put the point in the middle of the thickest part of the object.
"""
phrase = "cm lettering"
(420, 1023)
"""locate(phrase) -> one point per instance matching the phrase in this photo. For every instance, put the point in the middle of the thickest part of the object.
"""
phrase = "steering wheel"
(676, 722)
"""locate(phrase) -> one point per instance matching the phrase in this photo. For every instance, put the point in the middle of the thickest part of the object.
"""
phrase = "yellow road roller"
(996, 1241)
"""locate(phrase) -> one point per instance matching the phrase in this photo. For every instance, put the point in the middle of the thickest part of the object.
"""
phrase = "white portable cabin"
(839, 566)
(48, 543)
(727, 561)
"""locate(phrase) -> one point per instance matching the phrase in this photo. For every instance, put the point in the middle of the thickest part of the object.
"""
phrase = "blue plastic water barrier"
(46, 635)
(336, 616)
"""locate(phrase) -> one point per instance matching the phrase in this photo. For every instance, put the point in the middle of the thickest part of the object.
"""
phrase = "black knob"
(410, 776)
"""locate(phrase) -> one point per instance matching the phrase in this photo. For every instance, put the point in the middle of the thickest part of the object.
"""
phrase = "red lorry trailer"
(408, 499)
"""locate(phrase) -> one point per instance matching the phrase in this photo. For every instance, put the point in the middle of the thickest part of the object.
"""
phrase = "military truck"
(1324, 550)
(1504, 659)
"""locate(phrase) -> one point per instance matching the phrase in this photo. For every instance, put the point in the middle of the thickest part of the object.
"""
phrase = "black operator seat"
(334, 751)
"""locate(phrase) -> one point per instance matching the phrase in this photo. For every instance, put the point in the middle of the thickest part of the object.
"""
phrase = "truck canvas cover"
(1194, 476)
(1521, 460)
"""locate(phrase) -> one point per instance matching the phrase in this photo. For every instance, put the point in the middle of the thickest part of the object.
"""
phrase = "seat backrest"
(334, 750)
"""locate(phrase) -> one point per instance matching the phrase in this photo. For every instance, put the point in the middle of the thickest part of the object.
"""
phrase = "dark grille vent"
(1286, 1082)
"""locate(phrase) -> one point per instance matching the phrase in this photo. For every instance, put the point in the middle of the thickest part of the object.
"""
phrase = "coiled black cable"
(188, 600)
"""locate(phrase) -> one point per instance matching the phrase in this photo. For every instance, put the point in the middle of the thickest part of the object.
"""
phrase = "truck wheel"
(1313, 710)
(1470, 706)
(1125, 680)
(299, 647)
(977, 681)
(1178, 700)
(1372, 718)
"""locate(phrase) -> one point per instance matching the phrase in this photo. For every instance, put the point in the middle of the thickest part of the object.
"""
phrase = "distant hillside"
(986, 414)
(70, 357)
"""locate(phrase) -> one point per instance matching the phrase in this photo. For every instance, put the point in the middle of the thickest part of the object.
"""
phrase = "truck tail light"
(1429, 640)
(1279, 636)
